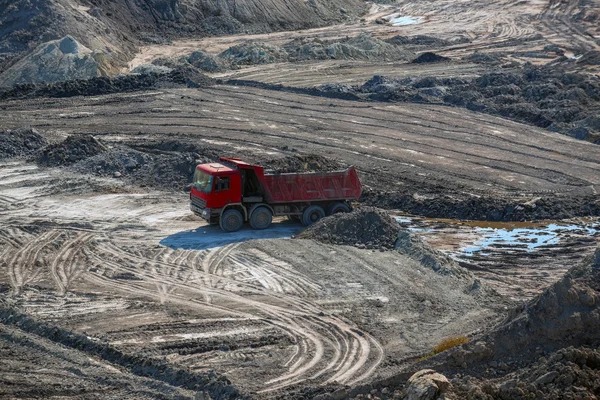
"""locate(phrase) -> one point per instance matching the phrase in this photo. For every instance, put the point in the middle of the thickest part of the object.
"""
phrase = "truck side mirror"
(187, 189)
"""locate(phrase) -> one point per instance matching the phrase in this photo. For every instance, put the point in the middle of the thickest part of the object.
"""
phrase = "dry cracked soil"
(472, 118)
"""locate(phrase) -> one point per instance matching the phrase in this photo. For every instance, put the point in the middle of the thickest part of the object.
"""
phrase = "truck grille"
(198, 202)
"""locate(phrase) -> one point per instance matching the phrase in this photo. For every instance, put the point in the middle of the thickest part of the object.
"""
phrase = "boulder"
(426, 385)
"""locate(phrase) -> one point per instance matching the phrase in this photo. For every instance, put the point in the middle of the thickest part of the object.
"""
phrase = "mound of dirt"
(56, 61)
(361, 47)
(165, 165)
(366, 227)
(418, 40)
(71, 150)
(183, 75)
(429, 57)
(253, 53)
(20, 142)
(301, 163)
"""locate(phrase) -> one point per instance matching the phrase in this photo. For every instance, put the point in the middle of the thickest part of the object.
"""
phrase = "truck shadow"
(211, 236)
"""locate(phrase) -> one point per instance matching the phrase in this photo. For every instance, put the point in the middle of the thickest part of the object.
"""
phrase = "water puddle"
(525, 239)
(484, 238)
(402, 20)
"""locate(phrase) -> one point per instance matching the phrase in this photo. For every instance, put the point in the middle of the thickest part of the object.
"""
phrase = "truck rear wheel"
(231, 220)
(261, 218)
(335, 208)
(312, 214)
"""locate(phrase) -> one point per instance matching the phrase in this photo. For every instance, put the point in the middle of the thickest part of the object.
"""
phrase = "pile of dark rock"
(365, 228)
(72, 149)
(22, 142)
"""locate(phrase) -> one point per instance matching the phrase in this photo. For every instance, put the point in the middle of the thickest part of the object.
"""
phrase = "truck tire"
(312, 214)
(261, 218)
(231, 220)
(339, 207)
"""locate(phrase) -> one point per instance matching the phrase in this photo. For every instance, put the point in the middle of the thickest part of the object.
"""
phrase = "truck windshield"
(203, 181)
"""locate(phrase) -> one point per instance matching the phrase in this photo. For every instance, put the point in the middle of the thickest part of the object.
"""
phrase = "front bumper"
(201, 212)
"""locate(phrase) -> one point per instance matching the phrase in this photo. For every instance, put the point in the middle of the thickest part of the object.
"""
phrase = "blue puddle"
(526, 239)
(401, 21)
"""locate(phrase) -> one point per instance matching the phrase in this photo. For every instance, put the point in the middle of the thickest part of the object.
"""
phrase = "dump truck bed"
(314, 186)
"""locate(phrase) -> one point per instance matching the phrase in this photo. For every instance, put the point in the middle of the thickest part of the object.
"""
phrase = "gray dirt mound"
(163, 166)
(20, 142)
(180, 75)
(71, 150)
(253, 53)
(429, 57)
(413, 247)
(361, 47)
(301, 163)
(367, 227)
(55, 61)
(418, 40)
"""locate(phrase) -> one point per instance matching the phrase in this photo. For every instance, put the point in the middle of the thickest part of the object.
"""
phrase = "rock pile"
(20, 142)
(71, 150)
(366, 227)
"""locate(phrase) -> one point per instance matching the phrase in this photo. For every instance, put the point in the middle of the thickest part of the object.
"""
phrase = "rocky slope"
(115, 29)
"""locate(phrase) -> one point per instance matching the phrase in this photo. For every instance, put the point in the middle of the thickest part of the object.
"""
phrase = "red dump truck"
(231, 192)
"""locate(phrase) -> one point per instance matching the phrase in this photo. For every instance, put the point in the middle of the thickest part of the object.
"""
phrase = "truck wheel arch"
(237, 206)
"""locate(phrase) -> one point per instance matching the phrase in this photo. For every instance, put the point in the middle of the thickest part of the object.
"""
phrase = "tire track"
(68, 264)
(314, 337)
(25, 267)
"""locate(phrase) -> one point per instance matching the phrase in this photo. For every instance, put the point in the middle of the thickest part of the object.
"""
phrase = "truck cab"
(214, 187)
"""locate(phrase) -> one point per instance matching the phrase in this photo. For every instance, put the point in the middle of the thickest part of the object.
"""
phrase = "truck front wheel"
(231, 220)
(261, 218)
(312, 214)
